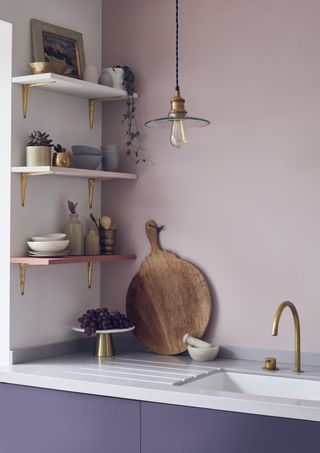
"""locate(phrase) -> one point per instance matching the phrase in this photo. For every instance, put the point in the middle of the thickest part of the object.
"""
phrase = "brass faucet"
(297, 347)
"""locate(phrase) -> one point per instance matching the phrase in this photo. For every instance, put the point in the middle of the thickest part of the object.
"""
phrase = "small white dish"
(49, 254)
(203, 354)
(48, 246)
(49, 237)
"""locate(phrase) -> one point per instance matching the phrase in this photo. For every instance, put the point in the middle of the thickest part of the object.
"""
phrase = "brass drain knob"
(270, 364)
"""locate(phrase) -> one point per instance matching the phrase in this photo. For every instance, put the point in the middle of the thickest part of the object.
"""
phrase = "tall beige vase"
(74, 231)
(92, 243)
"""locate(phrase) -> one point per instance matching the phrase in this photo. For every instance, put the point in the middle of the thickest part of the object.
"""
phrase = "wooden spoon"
(105, 222)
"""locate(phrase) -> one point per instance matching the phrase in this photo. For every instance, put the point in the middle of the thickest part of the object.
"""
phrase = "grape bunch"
(102, 319)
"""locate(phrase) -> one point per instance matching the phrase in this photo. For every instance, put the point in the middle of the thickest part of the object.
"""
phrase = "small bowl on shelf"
(86, 162)
(84, 150)
(42, 67)
(49, 237)
(48, 246)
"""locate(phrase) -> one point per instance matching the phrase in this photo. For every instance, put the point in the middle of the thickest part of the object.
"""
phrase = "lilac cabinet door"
(178, 429)
(34, 420)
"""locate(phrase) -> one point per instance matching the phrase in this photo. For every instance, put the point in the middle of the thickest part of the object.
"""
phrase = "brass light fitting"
(178, 110)
(297, 343)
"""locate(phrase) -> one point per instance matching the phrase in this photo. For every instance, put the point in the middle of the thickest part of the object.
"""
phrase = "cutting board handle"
(153, 236)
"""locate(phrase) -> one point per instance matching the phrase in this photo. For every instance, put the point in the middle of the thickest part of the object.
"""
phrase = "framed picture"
(53, 43)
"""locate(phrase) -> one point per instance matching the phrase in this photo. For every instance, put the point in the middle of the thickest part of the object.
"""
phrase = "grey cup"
(110, 158)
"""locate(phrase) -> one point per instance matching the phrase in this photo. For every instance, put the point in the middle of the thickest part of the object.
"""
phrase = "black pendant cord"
(177, 45)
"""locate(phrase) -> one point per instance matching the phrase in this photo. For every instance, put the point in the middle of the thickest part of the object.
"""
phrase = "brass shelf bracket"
(25, 94)
(22, 272)
(91, 184)
(23, 186)
(90, 274)
(92, 104)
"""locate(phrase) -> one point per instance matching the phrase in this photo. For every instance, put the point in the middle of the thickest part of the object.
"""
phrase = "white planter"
(38, 156)
(117, 75)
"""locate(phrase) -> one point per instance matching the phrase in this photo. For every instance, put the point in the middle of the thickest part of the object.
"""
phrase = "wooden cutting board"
(167, 298)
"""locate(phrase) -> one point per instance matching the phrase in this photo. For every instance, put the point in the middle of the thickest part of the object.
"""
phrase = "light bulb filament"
(178, 135)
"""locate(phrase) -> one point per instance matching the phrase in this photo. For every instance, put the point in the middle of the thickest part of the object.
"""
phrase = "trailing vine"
(134, 143)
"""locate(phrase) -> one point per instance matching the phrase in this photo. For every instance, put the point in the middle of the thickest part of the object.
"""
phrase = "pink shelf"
(32, 261)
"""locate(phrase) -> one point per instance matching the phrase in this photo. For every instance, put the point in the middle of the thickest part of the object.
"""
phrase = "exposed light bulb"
(178, 135)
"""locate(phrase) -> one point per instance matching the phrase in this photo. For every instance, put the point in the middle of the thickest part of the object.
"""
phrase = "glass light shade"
(177, 120)
(166, 122)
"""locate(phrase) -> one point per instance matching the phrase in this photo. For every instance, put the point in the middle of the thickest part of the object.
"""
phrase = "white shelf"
(73, 173)
(91, 175)
(70, 86)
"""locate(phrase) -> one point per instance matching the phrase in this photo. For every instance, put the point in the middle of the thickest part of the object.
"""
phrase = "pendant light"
(177, 119)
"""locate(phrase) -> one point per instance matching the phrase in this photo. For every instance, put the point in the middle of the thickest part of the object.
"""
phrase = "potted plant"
(122, 77)
(38, 151)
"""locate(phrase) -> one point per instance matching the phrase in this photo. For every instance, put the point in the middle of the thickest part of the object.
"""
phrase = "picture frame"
(53, 43)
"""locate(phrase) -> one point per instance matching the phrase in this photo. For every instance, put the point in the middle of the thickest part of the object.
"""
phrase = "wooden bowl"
(41, 67)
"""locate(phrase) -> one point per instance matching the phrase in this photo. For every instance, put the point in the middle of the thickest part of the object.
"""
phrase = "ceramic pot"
(92, 243)
(117, 75)
(74, 231)
(110, 157)
(107, 241)
(106, 78)
(38, 156)
(91, 74)
(62, 159)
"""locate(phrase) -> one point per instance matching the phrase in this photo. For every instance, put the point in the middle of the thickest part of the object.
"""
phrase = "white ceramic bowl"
(48, 246)
(203, 354)
(49, 237)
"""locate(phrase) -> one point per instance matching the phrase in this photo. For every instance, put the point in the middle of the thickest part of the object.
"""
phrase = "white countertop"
(154, 378)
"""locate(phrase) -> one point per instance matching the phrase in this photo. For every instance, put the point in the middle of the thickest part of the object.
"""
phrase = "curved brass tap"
(297, 347)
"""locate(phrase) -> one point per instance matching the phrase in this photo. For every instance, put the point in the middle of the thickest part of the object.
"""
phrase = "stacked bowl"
(85, 157)
(48, 245)
(110, 157)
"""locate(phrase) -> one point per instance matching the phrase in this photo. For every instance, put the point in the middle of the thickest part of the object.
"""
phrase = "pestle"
(195, 342)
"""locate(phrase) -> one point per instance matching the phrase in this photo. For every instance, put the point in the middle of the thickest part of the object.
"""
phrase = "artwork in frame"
(58, 44)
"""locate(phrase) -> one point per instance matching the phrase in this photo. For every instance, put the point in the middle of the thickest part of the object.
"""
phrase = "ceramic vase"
(106, 78)
(74, 231)
(62, 159)
(107, 241)
(110, 157)
(92, 243)
(38, 156)
(91, 74)
(117, 75)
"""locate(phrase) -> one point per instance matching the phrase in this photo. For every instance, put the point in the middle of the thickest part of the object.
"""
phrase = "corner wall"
(241, 200)
(5, 129)
(54, 296)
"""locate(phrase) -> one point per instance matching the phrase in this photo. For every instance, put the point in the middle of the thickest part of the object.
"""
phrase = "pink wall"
(242, 199)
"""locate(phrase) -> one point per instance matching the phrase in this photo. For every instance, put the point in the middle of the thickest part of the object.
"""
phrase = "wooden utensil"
(105, 222)
(167, 298)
